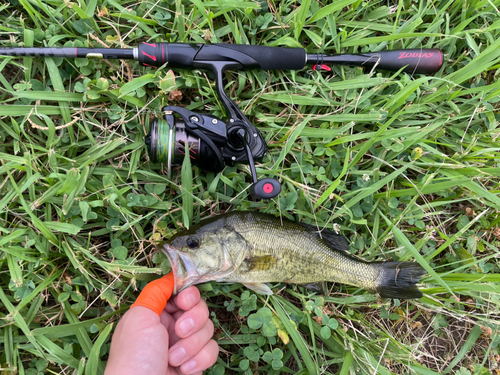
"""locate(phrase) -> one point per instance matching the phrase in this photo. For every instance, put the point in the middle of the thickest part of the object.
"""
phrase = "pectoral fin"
(262, 263)
(259, 288)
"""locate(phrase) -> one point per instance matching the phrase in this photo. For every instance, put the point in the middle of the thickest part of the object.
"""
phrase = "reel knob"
(266, 188)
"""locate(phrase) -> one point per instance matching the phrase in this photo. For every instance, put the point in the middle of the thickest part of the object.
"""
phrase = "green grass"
(407, 167)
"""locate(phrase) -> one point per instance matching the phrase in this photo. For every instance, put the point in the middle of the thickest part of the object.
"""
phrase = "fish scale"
(255, 248)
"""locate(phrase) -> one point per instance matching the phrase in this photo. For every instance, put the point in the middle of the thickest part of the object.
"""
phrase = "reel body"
(211, 144)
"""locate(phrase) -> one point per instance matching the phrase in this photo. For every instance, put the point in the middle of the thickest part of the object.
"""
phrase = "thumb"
(155, 295)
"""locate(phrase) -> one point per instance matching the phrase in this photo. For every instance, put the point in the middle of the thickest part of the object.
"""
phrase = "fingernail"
(177, 356)
(188, 367)
(186, 326)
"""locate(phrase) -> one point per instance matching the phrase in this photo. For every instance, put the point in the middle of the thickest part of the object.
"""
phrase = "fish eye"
(193, 242)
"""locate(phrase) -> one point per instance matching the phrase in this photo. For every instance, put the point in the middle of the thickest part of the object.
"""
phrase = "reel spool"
(171, 137)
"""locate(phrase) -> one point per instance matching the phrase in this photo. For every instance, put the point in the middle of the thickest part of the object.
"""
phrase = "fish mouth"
(184, 267)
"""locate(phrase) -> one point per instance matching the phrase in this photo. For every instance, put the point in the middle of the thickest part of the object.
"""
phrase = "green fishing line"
(164, 141)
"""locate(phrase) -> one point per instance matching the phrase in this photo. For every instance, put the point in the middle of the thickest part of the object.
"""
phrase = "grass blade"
(329, 9)
(187, 186)
(294, 334)
(93, 363)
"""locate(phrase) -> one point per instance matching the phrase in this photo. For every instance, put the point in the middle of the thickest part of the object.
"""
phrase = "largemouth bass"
(255, 248)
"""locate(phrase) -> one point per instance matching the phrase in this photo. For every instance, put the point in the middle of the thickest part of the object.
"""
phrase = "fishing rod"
(211, 142)
(194, 56)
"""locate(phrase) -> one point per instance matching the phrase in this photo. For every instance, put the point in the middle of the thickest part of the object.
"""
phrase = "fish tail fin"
(399, 279)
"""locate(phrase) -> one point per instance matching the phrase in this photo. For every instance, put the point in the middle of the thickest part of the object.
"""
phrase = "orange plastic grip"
(155, 295)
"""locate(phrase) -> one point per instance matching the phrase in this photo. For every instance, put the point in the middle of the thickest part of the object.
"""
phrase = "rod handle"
(188, 55)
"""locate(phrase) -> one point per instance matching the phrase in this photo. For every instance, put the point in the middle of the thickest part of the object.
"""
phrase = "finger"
(168, 321)
(192, 320)
(139, 340)
(185, 300)
(187, 348)
(203, 360)
(171, 328)
(155, 294)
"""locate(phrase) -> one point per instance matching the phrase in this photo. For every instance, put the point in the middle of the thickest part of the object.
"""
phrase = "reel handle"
(266, 188)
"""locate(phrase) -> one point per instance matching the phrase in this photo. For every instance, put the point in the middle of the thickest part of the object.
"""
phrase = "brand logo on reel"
(409, 55)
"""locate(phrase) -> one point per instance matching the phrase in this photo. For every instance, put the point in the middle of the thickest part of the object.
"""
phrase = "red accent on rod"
(76, 52)
(151, 57)
(322, 67)
(408, 55)
(150, 44)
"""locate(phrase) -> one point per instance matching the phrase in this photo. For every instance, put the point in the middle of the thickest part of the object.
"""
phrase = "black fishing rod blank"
(193, 56)
(70, 52)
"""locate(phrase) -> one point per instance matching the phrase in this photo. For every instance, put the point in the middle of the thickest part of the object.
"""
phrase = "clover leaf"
(263, 319)
(249, 304)
(274, 358)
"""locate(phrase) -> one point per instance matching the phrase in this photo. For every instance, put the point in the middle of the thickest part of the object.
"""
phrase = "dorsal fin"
(334, 240)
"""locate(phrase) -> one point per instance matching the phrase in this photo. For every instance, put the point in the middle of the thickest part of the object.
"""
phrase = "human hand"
(178, 341)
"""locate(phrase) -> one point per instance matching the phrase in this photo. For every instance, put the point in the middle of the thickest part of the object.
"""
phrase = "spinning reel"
(211, 142)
